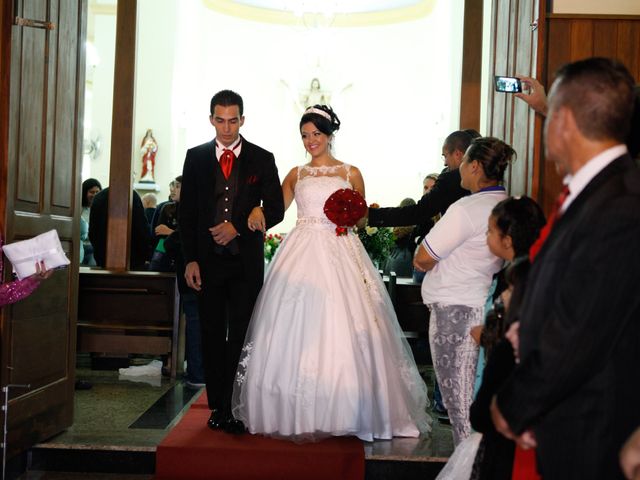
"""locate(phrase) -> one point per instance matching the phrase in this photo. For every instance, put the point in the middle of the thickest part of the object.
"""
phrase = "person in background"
(461, 267)
(149, 202)
(400, 259)
(167, 224)
(514, 225)
(140, 239)
(156, 215)
(194, 377)
(422, 228)
(90, 187)
(446, 190)
(428, 183)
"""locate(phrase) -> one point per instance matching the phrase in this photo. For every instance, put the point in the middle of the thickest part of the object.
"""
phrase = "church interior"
(92, 364)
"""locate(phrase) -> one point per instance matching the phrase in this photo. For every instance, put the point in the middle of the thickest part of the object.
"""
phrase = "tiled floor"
(134, 415)
(127, 412)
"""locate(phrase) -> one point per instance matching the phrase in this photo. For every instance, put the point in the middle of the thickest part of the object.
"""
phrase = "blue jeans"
(193, 347)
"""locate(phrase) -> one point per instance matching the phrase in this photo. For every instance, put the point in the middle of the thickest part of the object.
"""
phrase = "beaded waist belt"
(314, 221)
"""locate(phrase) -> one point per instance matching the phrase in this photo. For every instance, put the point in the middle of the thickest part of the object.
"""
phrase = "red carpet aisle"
(193, 451)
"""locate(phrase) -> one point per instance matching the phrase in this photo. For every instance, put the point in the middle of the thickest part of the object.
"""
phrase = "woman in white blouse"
(460, 269)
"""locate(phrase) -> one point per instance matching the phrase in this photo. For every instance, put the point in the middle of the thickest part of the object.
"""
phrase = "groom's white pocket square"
(24, 254)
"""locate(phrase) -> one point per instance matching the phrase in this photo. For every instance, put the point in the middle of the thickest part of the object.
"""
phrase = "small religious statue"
(148, 148)
(315, 96)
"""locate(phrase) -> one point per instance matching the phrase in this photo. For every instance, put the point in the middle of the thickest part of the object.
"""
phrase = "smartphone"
(508, 84)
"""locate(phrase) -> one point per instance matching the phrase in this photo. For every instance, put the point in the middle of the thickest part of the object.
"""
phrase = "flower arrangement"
(345, 207)
(378, 242)
(271, 244)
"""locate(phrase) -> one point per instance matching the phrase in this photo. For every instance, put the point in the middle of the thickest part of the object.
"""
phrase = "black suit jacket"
(578, 383)
(446, 191)
(141, 240)
(257, 182)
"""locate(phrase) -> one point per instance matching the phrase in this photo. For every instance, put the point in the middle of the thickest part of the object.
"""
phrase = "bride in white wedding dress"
(324, 354)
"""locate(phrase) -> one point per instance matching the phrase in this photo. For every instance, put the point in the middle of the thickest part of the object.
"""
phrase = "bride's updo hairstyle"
(493, 154)
(323, 117)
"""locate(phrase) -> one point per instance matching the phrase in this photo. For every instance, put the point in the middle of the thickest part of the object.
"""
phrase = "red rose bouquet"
(345, 207)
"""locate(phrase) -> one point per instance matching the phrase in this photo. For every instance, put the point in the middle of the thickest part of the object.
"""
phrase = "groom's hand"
(192, 276)
(223, 233)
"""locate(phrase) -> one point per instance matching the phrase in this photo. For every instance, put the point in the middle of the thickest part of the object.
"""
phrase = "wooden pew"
(129, 313)
(413, 315)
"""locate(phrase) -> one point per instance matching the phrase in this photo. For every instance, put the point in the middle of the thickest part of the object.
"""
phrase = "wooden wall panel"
(522, 127)
(122, 141)
(572, 38)
(471, 65)
(500, 115)
(29, 111)
(603, 32)
(514, 52)
(581, 48)
(628, 45)
(65, 122)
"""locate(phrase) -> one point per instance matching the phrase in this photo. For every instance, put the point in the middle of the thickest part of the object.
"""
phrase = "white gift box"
(24, 254)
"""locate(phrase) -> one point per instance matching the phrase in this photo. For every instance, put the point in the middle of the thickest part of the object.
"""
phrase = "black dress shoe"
(235, 427)
(83, 385)
(217, 420)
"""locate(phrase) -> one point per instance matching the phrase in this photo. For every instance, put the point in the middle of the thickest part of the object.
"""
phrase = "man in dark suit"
(222, 181)
(576, 391)
(446, 190)
(140, 247)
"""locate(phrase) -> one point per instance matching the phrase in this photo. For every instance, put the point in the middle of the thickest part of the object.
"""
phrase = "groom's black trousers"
(226, 302)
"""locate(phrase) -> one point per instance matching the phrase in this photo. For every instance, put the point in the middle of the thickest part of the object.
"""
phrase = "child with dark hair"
(513, 226)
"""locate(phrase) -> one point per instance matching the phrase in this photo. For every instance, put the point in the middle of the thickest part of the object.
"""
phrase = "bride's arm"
(288, 186)
(357, 182)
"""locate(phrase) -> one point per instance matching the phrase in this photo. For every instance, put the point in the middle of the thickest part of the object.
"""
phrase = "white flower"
(371, 230)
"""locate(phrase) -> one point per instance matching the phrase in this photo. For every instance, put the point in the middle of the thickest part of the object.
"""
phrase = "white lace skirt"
(324, 354)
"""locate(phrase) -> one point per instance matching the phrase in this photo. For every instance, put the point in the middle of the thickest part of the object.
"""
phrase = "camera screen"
(508, 84)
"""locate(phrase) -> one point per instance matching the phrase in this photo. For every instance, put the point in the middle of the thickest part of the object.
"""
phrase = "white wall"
(155, 57)
(610, 7)
(395, 88)
(99, 97)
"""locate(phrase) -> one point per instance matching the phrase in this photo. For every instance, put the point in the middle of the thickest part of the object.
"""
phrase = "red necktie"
(546, 230)
(226, 162)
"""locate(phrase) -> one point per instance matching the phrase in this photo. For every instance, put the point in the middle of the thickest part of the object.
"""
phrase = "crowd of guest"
(155, 246)
(151, 223)
(556, 398)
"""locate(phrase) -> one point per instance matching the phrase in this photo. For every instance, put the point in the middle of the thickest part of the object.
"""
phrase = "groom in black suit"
(576, 391)
(222, 181)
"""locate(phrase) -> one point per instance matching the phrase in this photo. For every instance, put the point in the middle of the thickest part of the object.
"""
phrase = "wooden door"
(513, 51)
(40, 159)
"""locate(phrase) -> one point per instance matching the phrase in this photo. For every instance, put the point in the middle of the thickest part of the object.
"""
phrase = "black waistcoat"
(225, 193)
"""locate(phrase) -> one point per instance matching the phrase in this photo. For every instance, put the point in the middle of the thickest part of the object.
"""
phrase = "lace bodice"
(315, 185)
